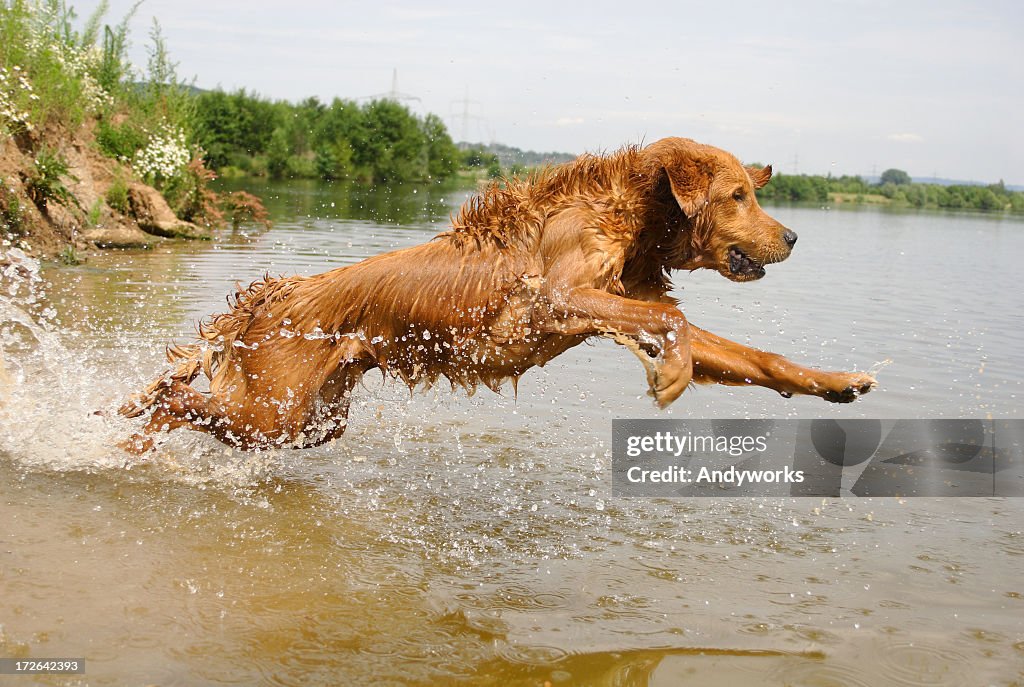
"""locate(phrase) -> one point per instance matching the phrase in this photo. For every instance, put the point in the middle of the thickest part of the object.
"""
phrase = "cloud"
(424, 14)
(569, 121)
(905, 138)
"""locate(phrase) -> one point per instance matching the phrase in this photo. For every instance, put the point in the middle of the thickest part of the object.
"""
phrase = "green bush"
(300, 167)
(95, 213)
(117, 196)
(258, 166)
(119, 142)
(69, 256)
(10, 212)
(230, 172)
(239, 161)
(44, 181)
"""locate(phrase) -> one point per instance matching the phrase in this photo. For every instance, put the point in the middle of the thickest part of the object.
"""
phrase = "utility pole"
(464, 117)
(394, 94)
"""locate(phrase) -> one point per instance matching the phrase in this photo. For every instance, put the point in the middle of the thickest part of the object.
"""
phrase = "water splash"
(58, 396)
(49, 392)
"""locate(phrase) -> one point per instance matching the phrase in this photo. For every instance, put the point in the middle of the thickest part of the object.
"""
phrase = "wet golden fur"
(529, 269)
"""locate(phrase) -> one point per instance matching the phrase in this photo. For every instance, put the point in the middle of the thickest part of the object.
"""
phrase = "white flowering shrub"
(46, 71)
(81, 62)
(164, 157)
(15, 89)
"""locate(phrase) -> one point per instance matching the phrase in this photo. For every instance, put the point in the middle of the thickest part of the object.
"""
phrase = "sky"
(855, 87)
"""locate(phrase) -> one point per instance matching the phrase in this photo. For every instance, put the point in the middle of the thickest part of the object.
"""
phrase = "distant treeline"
(376, 141)
(895, 188)
(510, 156)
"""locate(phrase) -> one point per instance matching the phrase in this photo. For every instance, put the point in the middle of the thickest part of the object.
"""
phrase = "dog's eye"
(739, 196)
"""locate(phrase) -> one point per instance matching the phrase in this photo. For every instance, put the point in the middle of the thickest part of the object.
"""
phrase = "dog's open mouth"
(742, 265)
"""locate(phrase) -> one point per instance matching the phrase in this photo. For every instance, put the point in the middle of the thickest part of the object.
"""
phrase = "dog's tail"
(190, 362)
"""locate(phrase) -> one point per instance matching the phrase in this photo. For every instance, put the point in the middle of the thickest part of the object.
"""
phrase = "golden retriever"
(529, 269)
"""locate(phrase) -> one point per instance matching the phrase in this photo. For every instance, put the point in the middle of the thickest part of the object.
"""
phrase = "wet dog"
(529, 269)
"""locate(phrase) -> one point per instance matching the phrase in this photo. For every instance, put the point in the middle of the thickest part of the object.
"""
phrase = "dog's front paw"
(847, 387)
(668, 384)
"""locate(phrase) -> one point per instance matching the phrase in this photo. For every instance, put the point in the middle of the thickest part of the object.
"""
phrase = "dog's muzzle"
(743, 265)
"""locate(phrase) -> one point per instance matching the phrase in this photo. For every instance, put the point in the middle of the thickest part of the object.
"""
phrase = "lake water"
(455, 540)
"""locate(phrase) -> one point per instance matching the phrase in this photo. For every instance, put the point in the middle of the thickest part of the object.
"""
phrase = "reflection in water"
(409, 205)
(462, 540)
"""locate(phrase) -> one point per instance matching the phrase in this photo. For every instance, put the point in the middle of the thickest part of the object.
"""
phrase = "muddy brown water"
(455, 540)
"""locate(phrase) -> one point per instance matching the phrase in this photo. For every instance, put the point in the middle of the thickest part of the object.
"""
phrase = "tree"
(896, 177)
(304, 120)
(215, 128)
(334, 160)
(442, 155)
(477, 157)
(379, 141)
(277, 153)
(394, 147)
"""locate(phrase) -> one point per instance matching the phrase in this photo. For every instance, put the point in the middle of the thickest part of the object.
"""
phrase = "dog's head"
(730, 232)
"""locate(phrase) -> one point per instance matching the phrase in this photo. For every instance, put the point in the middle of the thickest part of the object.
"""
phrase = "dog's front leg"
(656, 332)
(721, 361)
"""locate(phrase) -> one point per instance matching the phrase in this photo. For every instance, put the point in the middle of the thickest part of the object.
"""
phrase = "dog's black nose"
(790, 238)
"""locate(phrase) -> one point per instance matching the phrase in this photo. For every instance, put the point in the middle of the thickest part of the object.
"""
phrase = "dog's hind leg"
(331, 418)
(178, 405)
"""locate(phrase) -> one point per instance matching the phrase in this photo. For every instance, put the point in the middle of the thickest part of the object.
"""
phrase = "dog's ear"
(689, 168)
(691, 183)
(760, 177)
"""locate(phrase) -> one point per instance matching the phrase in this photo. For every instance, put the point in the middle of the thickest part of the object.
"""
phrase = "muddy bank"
(96, 203)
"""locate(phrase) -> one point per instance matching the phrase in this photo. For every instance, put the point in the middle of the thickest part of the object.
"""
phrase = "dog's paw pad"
(857, 385)
(847, 395)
